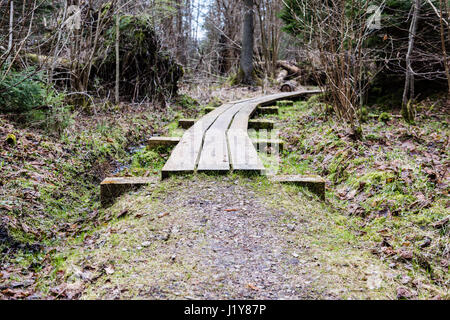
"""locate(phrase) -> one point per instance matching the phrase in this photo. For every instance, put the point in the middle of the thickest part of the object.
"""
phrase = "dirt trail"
(224, 238)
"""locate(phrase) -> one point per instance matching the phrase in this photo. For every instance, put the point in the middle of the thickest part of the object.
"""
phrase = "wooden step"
(259, 124)
(154, 142)
(113, 187)
(268, 110)
(314, 183)
(186, 123)
(284, 103)
(262, 143)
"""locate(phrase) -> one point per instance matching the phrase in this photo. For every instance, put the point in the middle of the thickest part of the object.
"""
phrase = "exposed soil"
(222, 238)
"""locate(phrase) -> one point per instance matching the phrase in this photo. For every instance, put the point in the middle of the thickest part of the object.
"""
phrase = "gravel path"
(208, 238)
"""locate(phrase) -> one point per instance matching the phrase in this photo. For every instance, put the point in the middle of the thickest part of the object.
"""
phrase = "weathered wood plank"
(242, 152)
(183, 158)
(186, 155)
(112, 188)
(214, 155)
(244, 156)
(154, 142)
(262, 144)
(186, 123)
(314, 183)
(268, 110)
(259, 124)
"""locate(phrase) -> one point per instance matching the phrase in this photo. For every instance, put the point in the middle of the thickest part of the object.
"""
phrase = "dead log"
(293, 71)
(288, 86)
(47, 61)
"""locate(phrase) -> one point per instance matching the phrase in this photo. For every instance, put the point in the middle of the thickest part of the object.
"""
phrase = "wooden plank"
(268, 110)
(259, 124)
(314, 183)
(243, 155)
(214, 155)
(186, 123)
(184, 156)
(162, 141)
(262, 144)
(112, 188)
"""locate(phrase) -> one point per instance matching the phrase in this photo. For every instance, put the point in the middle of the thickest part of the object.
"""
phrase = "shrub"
(384, 117)
(147, 69)
(21, 91)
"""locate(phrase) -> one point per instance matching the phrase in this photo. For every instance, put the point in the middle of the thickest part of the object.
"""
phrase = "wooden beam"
(258, 124)
(113, 187)
(262, 143)
(283, 103)
(268, 110)
(186, 123)
(154, 142)
(314, 183)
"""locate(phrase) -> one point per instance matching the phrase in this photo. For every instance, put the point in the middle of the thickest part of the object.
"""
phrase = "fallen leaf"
(253, 287)
(109, 270)
(231, 210)
(163, 214)
(405, 254)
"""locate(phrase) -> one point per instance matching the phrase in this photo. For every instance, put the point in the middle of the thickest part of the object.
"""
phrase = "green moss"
(384, 117)
(187, 102)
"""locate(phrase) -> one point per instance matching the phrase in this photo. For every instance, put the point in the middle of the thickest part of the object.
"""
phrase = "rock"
(146, 243)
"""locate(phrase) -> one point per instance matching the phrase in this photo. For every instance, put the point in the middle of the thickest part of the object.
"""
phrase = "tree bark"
(247, 43)
(444, 50)
(117, 54)
(408, 92)
(11, 25)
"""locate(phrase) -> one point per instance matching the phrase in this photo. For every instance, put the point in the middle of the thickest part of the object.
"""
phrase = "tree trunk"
(11, 25)
(117, 54)
(181, 41)
(408, 92)
(444, 50)
(247, 44)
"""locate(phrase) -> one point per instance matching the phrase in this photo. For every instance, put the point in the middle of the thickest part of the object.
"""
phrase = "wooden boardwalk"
(219, 142)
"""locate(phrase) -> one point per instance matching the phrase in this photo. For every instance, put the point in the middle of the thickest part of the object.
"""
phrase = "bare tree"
(247, 43)
(408, 92)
